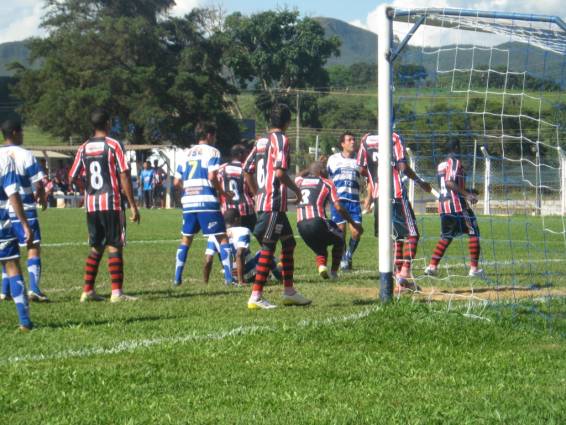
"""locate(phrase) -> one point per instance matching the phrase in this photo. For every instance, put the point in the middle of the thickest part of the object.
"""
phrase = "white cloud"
(436, 36)
(21, 20)
(182, 7)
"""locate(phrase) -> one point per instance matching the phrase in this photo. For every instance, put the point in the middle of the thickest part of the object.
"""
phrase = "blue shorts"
(19, 231)
(353, 208)
(9, 250)
(210, 222)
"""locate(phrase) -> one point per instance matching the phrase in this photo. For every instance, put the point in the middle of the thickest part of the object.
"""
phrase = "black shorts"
(106, 228)
(318, 233)
(248, 221)
(456, 224)
(272, 226)
(404, 221)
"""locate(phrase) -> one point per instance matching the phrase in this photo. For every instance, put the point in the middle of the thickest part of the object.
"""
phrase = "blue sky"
(20, 19)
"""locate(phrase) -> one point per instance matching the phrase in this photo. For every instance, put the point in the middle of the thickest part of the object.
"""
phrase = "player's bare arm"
(284, 178)
(344, 213)
(470, 196)
(126, 181)
(16, 202)
(250, 181)
(409, 172)
(213, 178)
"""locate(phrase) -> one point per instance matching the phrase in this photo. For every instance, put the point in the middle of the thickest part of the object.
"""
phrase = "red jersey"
(266, 157)
(101, 160)
(231, 177)
(315, 191)
(450, 201)
(368, 158)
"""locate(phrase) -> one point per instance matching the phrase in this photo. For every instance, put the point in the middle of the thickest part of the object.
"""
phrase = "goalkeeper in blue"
(9, 250)
(198, 180)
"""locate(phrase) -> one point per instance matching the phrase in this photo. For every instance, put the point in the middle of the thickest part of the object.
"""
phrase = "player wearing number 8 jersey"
(101, 160)
(269, 160)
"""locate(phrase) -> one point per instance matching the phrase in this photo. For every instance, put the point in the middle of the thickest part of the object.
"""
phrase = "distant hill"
(14, 51)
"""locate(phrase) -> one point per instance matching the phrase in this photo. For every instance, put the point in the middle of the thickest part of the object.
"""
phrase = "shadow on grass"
(111, 320)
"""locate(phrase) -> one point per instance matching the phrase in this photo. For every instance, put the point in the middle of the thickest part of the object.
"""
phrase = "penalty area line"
(135, 345)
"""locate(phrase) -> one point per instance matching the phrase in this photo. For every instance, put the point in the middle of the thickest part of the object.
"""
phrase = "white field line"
(135, 345)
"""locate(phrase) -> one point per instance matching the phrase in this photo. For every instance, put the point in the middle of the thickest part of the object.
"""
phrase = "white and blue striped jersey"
(240, 237)
(28, 172)
(345, 174)
(8, 186)
(198, 193)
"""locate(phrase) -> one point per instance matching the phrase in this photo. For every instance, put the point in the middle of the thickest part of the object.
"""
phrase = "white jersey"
(345, 174)
(28, 172)
(8, 186)
(198, 193)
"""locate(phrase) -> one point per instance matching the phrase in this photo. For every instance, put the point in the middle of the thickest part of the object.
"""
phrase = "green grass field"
(195, 354)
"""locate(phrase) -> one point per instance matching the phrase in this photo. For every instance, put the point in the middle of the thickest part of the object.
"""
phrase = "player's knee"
(268, 246)
(289, 243)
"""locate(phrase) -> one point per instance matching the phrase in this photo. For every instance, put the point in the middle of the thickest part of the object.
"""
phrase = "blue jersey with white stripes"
(8, 186)
(28, 172)
(345, 174)
(240, 237)
(198, 193)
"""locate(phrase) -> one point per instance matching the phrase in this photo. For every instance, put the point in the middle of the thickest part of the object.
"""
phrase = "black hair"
(280, 115)
(237, 151)
(343, 137)
(453, 146)
(11, 126)
(230, 216)
(204, 130)
(99, 119)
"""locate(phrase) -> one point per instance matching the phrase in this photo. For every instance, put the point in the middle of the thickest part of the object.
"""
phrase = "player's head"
(317, 169)
(237, 153)
(146, 165)
(100, 120)
(280, 116)
(453, 147)
(347, 143)
(12, 131)
(232, 218)
(156, 163)
(206, 133)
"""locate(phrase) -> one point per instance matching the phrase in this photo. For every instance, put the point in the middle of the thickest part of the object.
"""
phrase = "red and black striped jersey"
(368, 158)
(231, 177)
(266, 157)
(315, 194)
(101, 160)
(450, 201)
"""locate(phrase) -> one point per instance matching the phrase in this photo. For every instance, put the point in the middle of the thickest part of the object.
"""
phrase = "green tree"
(158, 76)
(277, 51)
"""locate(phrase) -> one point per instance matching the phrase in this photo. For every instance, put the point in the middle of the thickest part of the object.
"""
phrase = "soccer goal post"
(490, 79)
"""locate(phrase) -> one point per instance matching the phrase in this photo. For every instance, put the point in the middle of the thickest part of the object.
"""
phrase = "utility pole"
(297, 140)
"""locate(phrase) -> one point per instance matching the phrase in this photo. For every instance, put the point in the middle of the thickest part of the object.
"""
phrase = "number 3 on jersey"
(96, 179)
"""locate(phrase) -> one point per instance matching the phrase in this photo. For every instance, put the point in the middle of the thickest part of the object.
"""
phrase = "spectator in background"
(159, 180)
(147, 182)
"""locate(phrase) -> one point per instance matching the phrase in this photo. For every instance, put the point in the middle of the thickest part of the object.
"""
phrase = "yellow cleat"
(91, 296)
(323, 272)
(122, 298)
(261, 304)
(295, 299)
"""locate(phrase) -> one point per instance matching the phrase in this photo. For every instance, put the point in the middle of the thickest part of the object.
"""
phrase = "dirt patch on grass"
(502, 293)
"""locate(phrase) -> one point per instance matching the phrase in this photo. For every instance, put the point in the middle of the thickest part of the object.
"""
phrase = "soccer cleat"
(39, 297)
(91, 296)
(431, 271)
(333, 276)
(26, 328)
(346, 265)
(477, 273)
(403, 285)
(177, 283)
(5, 297)
(122, 298)
(323, 271)
(295, 299)
(261, 304)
